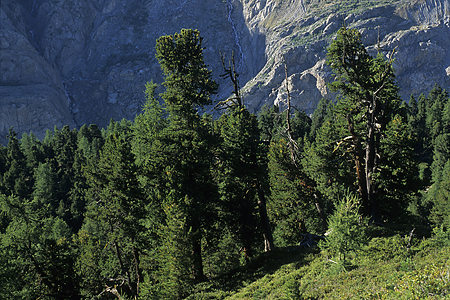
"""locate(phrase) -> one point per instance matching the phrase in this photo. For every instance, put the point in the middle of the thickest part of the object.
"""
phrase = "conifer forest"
(351, 202)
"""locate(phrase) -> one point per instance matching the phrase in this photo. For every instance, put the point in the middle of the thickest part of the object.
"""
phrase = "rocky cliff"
(87, 61)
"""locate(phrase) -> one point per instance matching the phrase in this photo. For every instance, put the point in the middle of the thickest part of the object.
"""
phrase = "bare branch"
(230, 72)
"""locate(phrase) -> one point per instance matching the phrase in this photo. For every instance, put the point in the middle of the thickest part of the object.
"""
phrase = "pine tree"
(242, 164)
(39, 250)
(90, 140)
(368, 100)
(17, 178)
(45, 187)
(294, 200)
(148, 125)
(181, 158)
(117, 204)
(2, 166)
(397, 178)
(318, 117)
(440, 212)
(268, 122)
(328, 160)
(32, 150)
(237, 176)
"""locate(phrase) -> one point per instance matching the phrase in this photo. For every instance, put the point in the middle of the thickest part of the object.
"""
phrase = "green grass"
(384, 269)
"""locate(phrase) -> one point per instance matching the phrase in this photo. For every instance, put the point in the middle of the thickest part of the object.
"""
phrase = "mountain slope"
(86, 61)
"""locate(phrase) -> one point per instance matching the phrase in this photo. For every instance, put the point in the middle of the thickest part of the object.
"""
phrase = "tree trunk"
(360, 173)
(137, 270)
(320, 211)
(370, 164)
(122, 266)
(267, 231)
(197, 261)
(373, 139)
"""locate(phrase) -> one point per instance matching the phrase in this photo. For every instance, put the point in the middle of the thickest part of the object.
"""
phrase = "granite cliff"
(70, 62)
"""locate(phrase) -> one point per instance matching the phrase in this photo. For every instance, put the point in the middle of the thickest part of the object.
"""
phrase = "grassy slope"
(385, 269)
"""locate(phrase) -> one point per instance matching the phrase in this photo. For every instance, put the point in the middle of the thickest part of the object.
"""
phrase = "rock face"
(70, 62)
(418, 32)
(32, 95)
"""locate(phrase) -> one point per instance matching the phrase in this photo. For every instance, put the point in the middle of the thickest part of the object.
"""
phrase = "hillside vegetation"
(350, 202)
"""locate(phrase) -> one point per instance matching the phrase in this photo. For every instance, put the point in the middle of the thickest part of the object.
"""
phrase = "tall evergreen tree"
(182, 156)
(238, 174)
(294, 202)
(328, 160)
(32, 150)
(45, 186)
(148, 125)
(318, 117)
(269, 120)
(241, 159)
(440, 212)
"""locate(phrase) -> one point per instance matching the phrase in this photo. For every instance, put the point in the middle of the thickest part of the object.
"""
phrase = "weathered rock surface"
(70, 62)
(32, 95)
(418, 31)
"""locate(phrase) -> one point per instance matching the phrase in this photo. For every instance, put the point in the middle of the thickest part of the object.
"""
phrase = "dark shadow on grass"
(261, 265)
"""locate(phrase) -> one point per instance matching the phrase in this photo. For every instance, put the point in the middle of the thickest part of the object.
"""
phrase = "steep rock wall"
(32, 96)
(70, 62)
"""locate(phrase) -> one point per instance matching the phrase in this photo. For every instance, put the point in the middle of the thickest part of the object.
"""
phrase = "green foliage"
(328, 160)
(397, 177)
(392, 248)
(421, 284)
(117, 204)
(147, 125)
(237, 173)
(45, 187)
(292, 205)
(17, 174)
(92, 263)
(187, 80)
(178, 165)
(39, 252)
(318, 117)
(440, 212)
(365, 131)
(268, 122)
(300, 274)
(434, 144)
(151, 208)
(272, 124)
(90, 141)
